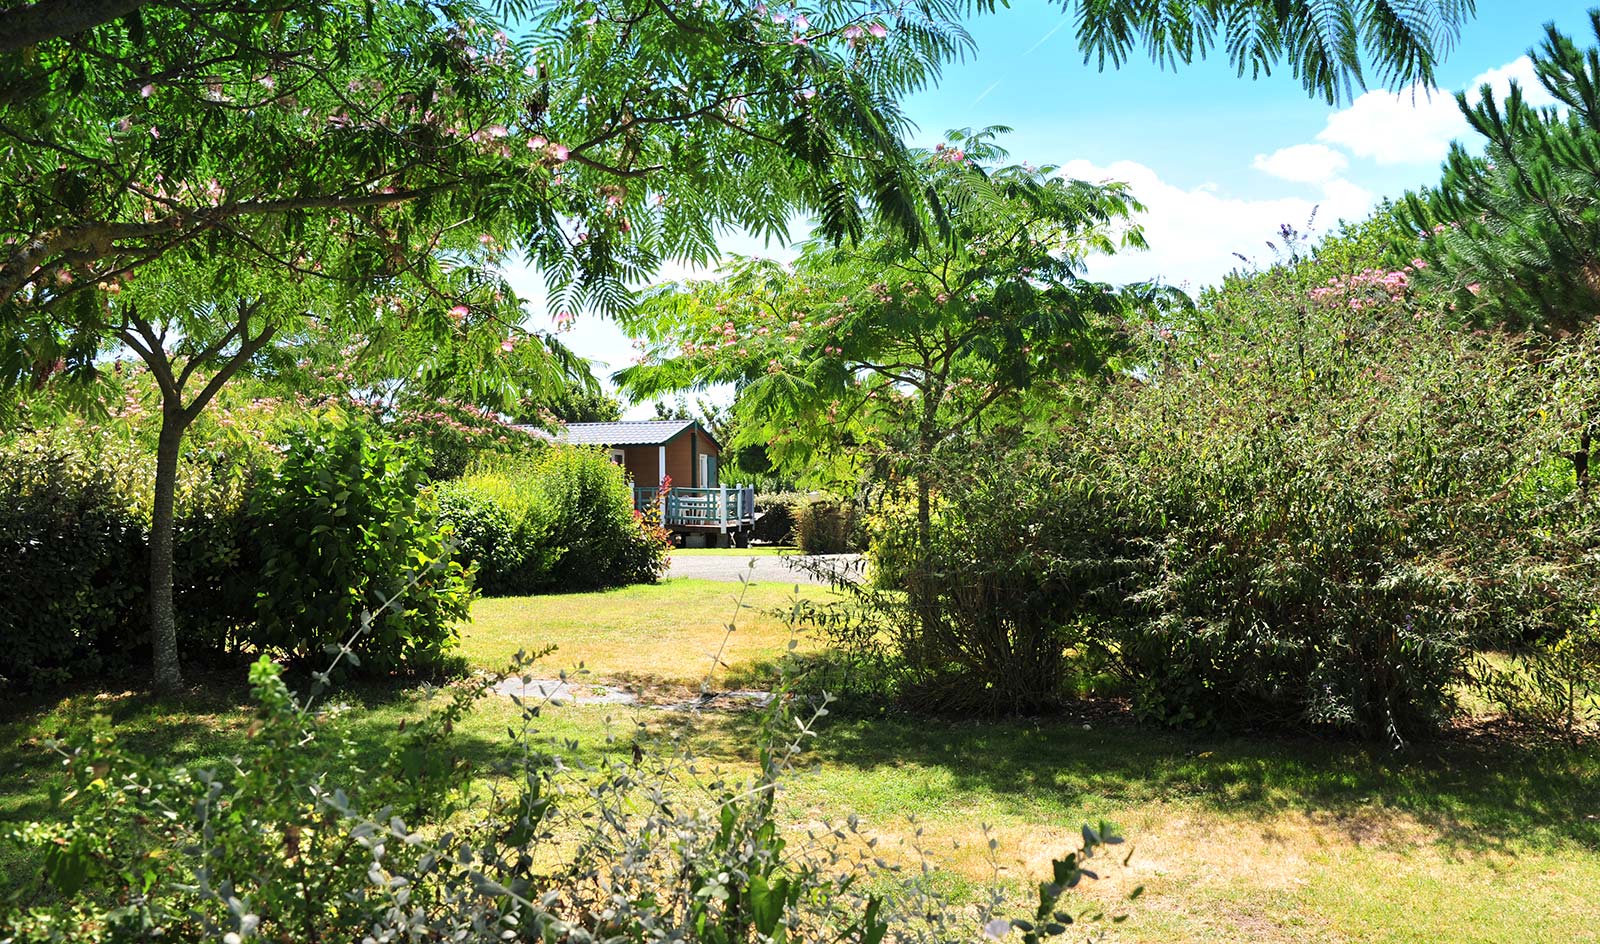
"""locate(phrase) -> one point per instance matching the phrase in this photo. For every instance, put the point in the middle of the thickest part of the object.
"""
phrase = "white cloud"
(1303, 163)
(1416, 126)
(1193, 233)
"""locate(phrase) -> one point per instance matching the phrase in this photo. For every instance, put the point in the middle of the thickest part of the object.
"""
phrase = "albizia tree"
(891, 347)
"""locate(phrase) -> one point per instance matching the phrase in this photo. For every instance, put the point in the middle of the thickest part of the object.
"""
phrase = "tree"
(1514, 232)
(891, 348)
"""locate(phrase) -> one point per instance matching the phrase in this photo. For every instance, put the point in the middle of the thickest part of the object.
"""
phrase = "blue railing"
(722, 507)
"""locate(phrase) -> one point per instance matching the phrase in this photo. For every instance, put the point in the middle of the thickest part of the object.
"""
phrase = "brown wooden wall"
(644, 463)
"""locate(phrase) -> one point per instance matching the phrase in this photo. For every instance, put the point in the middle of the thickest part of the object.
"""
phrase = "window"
(619, 457)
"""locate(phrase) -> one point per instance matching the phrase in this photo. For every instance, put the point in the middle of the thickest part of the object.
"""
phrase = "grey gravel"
(769, 568)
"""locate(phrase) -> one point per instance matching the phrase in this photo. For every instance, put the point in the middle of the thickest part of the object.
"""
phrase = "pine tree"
(1514, 231)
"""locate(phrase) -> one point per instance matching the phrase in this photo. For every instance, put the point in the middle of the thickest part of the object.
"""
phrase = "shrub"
(775, 524)
(74, 526)
(562, 519)
(1321, 517)
(824, 525)
(588, 503)
(500, 531)
(71, 547)
(342, 526)
(982, 618)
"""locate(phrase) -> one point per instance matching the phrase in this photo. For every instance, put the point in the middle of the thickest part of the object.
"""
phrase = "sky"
(1219, 161)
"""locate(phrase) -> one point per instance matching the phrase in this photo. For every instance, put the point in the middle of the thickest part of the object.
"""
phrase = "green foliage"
(1003, 571)
(1553, 685)
(71, 536)
(775, 517)
(861, 356)
(342, 526)
(1319, 505)
(825, 525)
(561, 520)
(1514, 233)
(1329, 45)
(588, 504)
(74, 529)
(500, 527)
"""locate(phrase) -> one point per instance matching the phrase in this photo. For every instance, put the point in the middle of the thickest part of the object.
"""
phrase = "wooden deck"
(727, 509)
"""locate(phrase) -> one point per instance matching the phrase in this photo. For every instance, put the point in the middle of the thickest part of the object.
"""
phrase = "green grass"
(1236, 839)
(663, 634)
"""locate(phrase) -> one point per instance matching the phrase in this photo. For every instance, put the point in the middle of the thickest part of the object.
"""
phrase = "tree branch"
(44, 20)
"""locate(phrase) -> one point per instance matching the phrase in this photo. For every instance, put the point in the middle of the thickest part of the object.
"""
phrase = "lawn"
(1236, 839)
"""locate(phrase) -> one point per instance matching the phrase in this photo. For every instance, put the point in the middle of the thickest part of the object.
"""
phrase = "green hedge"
(252, 570)
(559, 521)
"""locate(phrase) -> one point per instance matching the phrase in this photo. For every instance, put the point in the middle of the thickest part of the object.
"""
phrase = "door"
(708, 471)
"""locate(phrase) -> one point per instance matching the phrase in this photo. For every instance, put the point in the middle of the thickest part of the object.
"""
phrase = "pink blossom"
(878, 30)
(536, 142)
(508, 344)
(560, 151)
(147, 91)
(801, 23)
(459, 312)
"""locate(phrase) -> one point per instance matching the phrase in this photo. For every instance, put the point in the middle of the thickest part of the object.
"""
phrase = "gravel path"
(769, 568)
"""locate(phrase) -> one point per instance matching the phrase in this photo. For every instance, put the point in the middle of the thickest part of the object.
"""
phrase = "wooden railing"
(727, 506)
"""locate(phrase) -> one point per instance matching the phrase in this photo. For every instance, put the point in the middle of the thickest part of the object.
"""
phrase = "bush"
(74, 532)
(500, 531)
(1316, 505)
(342, 526)
(559, 520)
(824, 525)
(589, 505)
(1321, 515)
(71, 546)
(982, 620)
(775, 521)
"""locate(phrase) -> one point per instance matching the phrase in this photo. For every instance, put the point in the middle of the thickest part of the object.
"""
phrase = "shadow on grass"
(1474, 795)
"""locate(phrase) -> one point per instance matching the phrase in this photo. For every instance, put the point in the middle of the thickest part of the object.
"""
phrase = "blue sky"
(1219, 160)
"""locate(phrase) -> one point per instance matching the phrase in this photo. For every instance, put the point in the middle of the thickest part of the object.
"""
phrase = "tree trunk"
(163, 618)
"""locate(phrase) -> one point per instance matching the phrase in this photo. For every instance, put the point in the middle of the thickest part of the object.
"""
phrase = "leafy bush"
(341, 526)
(500, 529)
(1322, 504)
(824, 525)
(997, 588)
(562, 519)
(1316, 504)
(775, 521)
(589, 504)
(74, 525)
(71, 543)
